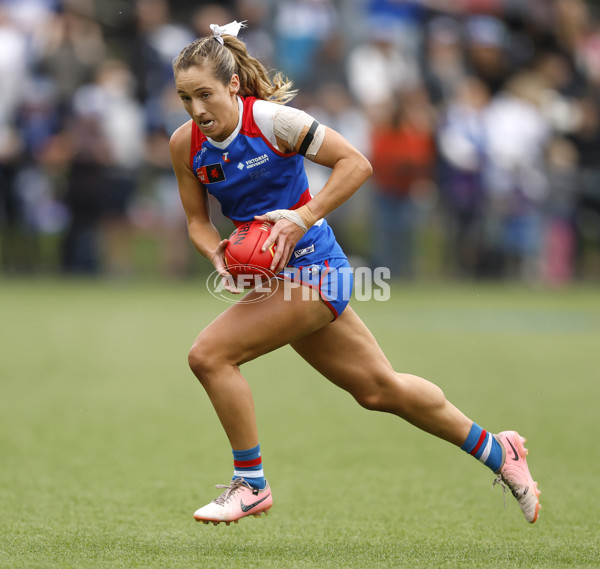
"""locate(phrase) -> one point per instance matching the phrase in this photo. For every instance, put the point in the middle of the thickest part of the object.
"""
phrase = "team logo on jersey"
(210, 173)
(226, 157)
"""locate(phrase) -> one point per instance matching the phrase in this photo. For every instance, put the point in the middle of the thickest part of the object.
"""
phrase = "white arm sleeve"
(293, 125)
(290, 125)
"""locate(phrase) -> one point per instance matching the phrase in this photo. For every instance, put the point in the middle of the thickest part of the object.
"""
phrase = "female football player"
(246, 148)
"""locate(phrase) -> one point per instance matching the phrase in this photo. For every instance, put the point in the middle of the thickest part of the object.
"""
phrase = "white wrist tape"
(275, 215)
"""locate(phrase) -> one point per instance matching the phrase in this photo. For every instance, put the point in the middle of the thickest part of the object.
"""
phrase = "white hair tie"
(232, 29)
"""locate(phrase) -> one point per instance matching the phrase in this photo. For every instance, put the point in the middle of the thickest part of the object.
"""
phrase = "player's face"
(212, 105)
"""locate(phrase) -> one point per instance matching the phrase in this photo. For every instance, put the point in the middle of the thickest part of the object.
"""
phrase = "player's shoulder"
(267, 115)
(264, 109)
(267, 110)
(180, 145)
(263, 113)
(181, 139)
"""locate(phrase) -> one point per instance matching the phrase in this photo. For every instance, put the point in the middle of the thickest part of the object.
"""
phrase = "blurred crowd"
(481, 119)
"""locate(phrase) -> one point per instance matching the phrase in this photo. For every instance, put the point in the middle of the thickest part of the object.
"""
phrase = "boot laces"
(506, 484)
(230, 490)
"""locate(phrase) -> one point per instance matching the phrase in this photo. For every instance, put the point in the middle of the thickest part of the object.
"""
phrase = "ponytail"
(231, 58)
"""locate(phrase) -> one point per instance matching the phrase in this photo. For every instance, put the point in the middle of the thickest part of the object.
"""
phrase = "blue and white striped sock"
(483, 446)
(247, 464)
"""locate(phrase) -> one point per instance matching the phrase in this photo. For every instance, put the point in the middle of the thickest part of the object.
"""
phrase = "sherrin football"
(243, 253)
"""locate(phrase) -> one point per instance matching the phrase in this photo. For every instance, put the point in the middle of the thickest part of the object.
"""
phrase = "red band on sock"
(247, 463)
(479, 442)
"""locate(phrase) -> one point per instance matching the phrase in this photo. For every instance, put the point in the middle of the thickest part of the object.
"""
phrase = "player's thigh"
(249, 329)
(347, 354)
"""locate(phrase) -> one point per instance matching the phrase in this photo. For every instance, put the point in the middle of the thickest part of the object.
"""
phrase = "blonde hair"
(233, 58)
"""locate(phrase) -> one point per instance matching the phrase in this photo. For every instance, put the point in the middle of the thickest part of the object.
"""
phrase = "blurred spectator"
(486, 42)
(462, 145)
(587, 198)
(101, 150)
(380, 69)
(70, 48)
(517, 136)
(558, 261)
(86, 155)
(13, 68)
(402, 155)
(403, 17)
(38, 121)
(158, 209)
(13, 74)
(301, 27)
(515, 84)
(12, 214)
(444, 66)
(208, 14)
(109, 103)
(571, 17)
(159, 41)
(258, 38)
(331, 68)
(29, 16)
(561, 86)
(588, 51)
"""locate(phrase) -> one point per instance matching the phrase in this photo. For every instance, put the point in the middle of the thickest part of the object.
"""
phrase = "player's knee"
(196, 360)
(202, 361)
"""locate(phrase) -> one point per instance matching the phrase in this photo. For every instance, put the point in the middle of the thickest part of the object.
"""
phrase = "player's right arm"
(194, 198)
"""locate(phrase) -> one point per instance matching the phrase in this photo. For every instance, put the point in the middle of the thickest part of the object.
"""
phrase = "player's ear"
(234, 84)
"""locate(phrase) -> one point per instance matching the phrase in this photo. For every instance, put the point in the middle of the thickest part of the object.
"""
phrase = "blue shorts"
(333, 278)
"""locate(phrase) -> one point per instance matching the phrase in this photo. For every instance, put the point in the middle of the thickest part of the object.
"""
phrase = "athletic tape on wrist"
(293, 216)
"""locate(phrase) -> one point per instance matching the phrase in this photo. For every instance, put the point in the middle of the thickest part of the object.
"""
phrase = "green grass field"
(108, 444)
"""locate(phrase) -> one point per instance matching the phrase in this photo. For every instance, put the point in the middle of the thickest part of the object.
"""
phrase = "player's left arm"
(349, 170)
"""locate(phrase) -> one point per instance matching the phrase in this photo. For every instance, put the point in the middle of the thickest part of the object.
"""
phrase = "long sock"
(247, 464)
(483, 446)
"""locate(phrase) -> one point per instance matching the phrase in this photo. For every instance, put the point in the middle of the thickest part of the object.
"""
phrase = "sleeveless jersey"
(249, 176)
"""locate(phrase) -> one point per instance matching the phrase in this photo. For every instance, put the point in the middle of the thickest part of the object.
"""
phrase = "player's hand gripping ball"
(243, 254)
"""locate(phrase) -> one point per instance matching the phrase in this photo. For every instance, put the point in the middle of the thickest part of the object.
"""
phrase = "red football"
(243, 253)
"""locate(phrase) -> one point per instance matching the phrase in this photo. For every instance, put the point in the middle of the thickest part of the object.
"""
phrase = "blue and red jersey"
(249, 176)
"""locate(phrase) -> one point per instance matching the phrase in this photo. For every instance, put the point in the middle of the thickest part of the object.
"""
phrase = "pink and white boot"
(514, 473)
(237, 501)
